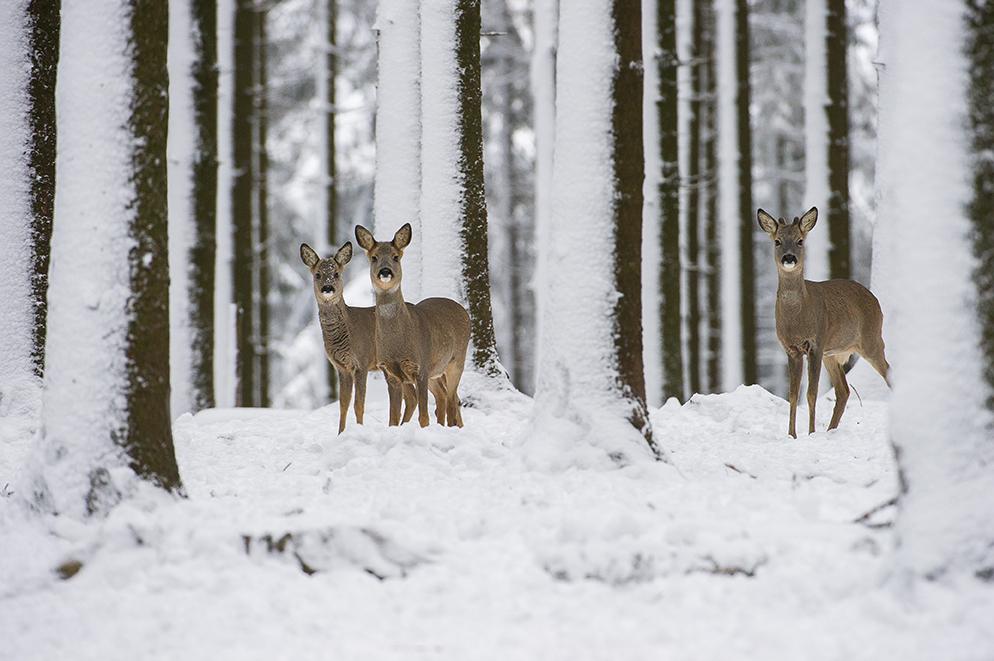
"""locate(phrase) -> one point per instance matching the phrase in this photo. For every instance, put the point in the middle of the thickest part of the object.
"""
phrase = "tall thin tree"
(330, 61)
(836, 49)
(591, 371)
(692, 268)
(27, 157)
(193, 90)
(242, 217)
(107, 380)
(709, 190)
(263, 276)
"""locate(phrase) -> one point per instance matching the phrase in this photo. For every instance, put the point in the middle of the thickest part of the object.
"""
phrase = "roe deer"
(827, 321)
(347, 331)
(424, 344)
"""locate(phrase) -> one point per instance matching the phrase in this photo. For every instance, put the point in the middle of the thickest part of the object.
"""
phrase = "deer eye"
(800, 242)
(776, 242)
(396, 258)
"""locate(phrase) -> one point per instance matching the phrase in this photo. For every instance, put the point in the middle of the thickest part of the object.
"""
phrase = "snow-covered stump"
(940, 428)
(591, 387)
(29, 34)
(106, 405)
(397, 197)
(192, 153)
(454, 249)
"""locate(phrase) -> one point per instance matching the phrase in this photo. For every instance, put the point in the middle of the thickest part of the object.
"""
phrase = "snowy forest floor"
(468, 544)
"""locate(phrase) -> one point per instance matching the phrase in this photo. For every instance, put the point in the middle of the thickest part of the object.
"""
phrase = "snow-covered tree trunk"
(29, 51)
(735, 204)
(543, 85)
(836, 49)
(242, 207)
(225, 380)
(709, 188)
(940, 427)
(661, 244)
(398, 132)
(591, 382)
(192, 200)
(816, 190)
(326, 91)
(692, 267)
(454, 212)
(106, 406)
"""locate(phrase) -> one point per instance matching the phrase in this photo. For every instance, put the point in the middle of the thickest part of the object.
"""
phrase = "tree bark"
(836, 47)
(473, 203)
(243, 244)
(670, 316)
(262, 209)
(694, 178)
(709, 182)
(747, 262)
(331, 173)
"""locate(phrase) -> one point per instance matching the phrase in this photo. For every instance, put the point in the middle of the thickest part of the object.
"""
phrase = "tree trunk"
(454, 202)
(331, 174)
(243, 243)
(747, 228)
(816, 134)
(940, 425)
(262, 209)
(980, 49)
(591, 380)
(709, 179)
(107, 383)
(543, 86)
(27, 150)
(397, 198)
(836, 47)
(670, 317)
(193, 200)
(694, 200)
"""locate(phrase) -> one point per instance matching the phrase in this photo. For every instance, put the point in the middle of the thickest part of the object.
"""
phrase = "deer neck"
(791, 287)
(334, 319)
(390, 305)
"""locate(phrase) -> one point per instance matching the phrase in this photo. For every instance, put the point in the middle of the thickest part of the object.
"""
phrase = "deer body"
(348, 332)
(421, 346)
(825, 321)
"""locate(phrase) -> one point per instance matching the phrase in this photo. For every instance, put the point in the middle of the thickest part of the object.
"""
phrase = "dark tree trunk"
(331, 183)
(628, 160)
(262, 209)
(709, 182)
(43, 49)
(980, 50)
(836, 44)
(670, 317)
(243, 245)
(475, 261)
(204, 195)
(747, 227)
(693, 200)
(147, 436)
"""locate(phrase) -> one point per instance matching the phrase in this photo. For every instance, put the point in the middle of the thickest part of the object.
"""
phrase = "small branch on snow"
(740, 471)
(865, 518)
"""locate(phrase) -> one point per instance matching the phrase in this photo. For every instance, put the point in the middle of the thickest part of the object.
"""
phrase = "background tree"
(261, 252)
(107, 383)
(454, 218)
(242, 216)
(594, 308)
(192, 200)
(940, 424)
(709, 186)
(330, 188)
(27, 157)
(836, 51)
(816, 132)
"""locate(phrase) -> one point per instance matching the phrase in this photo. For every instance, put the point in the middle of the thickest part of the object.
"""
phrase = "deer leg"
(834, 366)
(422, 385)
(452, 375)
(360, 394)
(410, 401)
(795, 364)
(814, 374)
(344, 398)
(437, 388)
(393, 391)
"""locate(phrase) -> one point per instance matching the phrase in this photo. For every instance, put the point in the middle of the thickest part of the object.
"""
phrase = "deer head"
(384, 256)
(327, 273)
(788, 238)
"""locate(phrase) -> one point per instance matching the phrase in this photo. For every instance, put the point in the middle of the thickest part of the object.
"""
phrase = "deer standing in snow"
(347, 331)
(825, 321)
(423, 345)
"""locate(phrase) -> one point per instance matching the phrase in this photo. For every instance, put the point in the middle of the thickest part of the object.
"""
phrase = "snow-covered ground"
(473, 544)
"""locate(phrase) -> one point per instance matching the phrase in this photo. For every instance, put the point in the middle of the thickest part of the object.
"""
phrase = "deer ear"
(402, 238)
(308, 256)
(364, 238)
(344, 254)
(767, 222)
(809, 219)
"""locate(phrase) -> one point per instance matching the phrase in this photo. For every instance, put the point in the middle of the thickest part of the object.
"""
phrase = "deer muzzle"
(789, 262)
(385, 275)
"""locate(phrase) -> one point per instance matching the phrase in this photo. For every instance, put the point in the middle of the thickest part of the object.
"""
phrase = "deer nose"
(787, 260)
(327, 289)
(385, 274)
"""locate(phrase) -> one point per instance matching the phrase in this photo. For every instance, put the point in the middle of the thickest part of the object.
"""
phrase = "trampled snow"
(452, 544)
